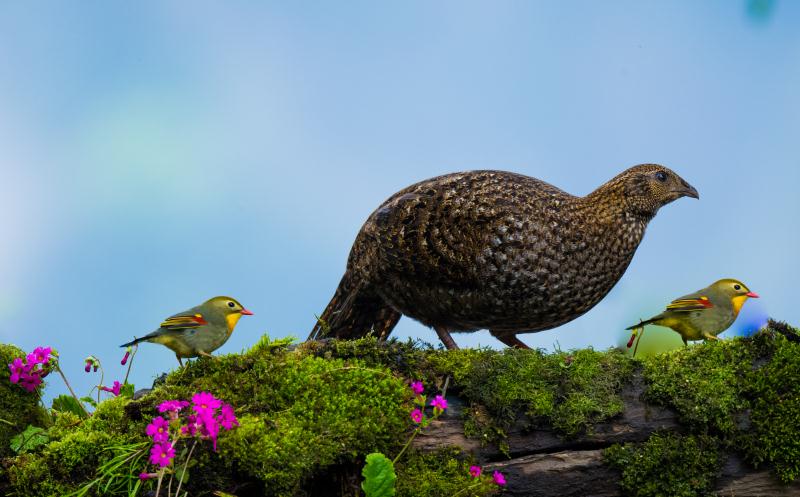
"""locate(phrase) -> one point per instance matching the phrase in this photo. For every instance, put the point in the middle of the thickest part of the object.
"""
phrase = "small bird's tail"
(354, 312)
(643, 323)
(134, 342)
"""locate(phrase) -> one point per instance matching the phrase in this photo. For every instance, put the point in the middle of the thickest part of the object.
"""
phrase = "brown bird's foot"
(445, 337)
(180, 361)
(510, 340)
(205, 354)
(709, 337)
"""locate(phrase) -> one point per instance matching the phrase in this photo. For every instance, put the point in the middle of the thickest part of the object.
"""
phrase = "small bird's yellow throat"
(738, 302)
(232, 319)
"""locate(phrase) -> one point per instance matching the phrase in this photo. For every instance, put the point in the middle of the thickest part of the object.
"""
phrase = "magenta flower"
(125, 357)
(147, 476)
(204, 402)
(499, 478)
(158, 429)
(115, 389)
(190, 428)
(439, 402)
(30, 381)
(88, 366)
(417, 387)
(18, 369)
(227, 418)
(172, 405)
(416, 416)
(474, 471)
(40, 355)
(162, 454)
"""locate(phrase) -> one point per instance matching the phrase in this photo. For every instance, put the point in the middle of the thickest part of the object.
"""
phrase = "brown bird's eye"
(737, 287)
(231, 304)
(661, 176)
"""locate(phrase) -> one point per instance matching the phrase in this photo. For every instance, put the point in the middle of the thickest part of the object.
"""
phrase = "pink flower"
(88, 366)
(158, 429)
(172, 405)
(416, 416)
(474, 471)
(439, 402)
(205, 402)
(209, 428)
(417, 387)
(17, 368)
(147, 476)
(31, 381)
(162, 454)
(115, 389)
(41, 355)
(125, 357)
(227, 418)
(499, 478)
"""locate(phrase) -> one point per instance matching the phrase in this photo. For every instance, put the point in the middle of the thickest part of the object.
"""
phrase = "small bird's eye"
(737, 287)
(661, 176)
(231, 304)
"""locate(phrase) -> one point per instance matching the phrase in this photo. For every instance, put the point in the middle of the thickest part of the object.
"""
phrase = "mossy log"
(713, 419)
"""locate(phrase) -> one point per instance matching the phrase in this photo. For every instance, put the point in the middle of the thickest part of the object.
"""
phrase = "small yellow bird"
(703, 314)
(198, 331)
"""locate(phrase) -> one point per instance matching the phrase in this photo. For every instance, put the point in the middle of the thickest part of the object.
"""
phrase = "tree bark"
(540, 463)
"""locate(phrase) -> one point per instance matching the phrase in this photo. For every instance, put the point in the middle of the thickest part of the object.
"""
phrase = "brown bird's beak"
(687, 190)
(246, 312)
(752, 295)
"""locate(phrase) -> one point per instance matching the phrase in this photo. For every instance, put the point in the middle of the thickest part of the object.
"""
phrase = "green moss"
(774, 432)
(666, 464)
(703, 383)
(569, 391)
(18, 408)
(445, 472)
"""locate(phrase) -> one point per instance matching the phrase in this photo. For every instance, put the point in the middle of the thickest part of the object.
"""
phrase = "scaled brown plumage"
(493, 250)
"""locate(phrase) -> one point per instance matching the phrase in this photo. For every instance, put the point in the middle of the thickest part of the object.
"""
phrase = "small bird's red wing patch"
(184, 321)
(690, 304)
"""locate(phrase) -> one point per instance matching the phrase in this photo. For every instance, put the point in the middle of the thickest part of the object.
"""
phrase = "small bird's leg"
(445, 337)
(709, 336)
(179, 359)
(510, 340)
(205, 354)
(685, 343)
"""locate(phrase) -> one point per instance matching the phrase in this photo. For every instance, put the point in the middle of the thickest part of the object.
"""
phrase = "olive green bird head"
(227, 307)
(733, 289)
(648, 187)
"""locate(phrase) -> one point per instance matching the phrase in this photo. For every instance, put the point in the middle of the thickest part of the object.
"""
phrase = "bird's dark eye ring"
(231, 304)
(737, 287)
(661, 176)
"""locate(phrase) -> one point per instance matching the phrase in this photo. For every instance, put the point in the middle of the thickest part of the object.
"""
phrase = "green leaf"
(379, 476)
(32, 437)
(67, 403)
(127, 390)
(89, 401)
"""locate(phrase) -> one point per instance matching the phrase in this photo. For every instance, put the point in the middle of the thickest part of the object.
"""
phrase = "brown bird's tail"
(354, 312)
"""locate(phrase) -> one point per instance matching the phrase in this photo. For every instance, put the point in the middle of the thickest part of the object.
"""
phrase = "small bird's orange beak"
(752, 295)
(246, 312)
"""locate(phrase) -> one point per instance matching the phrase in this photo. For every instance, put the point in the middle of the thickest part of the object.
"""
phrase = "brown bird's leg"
(510, 340)
(445, 337)
(179, 359)
(708, 336)
(685, 343)
(205, 354)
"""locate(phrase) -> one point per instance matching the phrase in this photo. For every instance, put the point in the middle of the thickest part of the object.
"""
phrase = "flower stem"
(102, 377)
(130, 363)
(160, 477)
(58, 368)
(413, 435)
(183, 473)
(467, 488)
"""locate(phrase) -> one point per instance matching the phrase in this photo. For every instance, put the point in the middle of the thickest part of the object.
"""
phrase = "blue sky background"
(156, 154)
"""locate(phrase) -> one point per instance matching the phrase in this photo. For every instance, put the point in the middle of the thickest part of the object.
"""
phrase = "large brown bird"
(493, 250)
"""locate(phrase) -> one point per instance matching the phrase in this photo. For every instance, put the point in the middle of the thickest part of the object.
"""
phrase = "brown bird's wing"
(696, 301)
